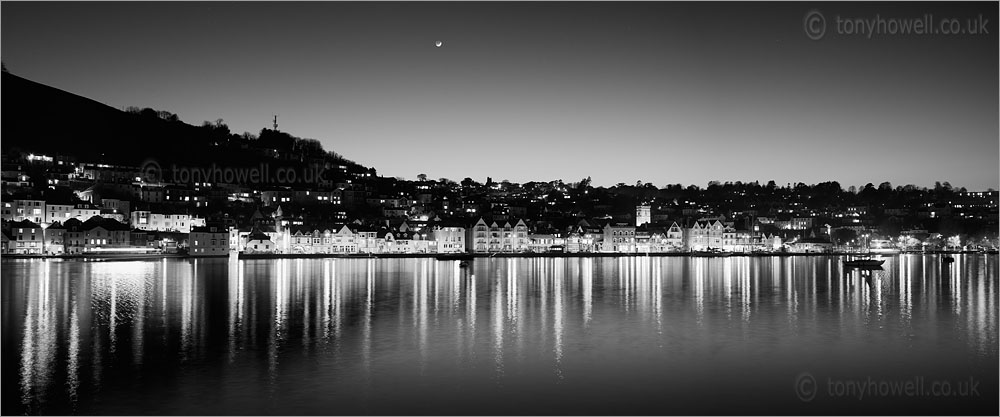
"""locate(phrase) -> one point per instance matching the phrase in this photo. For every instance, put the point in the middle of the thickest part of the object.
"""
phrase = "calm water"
(504, 336)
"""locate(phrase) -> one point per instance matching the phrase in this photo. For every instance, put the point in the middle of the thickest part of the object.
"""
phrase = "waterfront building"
(208, 241)
(101, 233)
(449, 237)
(344, 240)
(654, 239)
(150, 221)
(546, 242)
(503, 236)
(675, 237)
(258, 242)
(736, 240)
(619, 237)
(27, 238)
(705, 234)
(304, 239)
(367, 239)
(584, 237)
(402, 242)
(644, 239)
(55, 239)
(95, 234)
(811, 244)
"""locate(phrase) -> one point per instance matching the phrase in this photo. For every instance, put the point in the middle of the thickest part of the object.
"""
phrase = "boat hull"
(864, 262)
(455, 257)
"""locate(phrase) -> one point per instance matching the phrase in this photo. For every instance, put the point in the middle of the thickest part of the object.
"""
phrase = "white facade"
(449, 239)
(643, 215)
(145, 220)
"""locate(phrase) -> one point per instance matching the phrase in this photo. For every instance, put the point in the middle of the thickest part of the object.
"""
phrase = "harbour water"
(637, 335)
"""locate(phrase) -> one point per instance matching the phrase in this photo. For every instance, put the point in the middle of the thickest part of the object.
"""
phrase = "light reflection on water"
(505, 335)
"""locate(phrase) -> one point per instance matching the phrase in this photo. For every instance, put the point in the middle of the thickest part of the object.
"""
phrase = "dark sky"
(663, 93)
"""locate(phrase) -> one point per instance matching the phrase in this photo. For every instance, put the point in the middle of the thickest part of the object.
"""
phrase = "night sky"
(663, 93)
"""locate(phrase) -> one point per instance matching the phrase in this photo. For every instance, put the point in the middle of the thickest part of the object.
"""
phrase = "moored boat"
(863, 262)
(454, 257)
(711, 253)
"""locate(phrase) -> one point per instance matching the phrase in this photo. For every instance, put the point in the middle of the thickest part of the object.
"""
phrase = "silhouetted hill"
(42, 119)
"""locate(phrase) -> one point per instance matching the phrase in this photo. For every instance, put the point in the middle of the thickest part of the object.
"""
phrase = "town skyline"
(500, 178)
(499, 207)
(661, 93)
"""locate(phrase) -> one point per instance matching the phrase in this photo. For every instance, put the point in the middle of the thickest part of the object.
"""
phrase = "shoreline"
(250, 256)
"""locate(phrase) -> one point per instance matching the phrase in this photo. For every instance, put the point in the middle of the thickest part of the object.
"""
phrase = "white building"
(448, 238)
(497, 236)
(149, 221)
(643, 215)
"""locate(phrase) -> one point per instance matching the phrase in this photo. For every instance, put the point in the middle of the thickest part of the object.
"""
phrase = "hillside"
(42, 119)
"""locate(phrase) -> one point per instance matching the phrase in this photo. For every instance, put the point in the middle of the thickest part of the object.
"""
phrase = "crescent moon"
(438, 43)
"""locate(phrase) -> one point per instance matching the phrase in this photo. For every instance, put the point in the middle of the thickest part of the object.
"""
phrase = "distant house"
(619, 237)
(367, 239)
(73, 237)
(55, 238)
(344, 240)
(107, 233)
(771, 242)
(258, 242)
(675, 237)
(84, 211)
(159, 222)
(332, 239)
(95, 234)
(7, 211)
(306, 240)
(208, 241)
(546, 242)
(502, 236)
(27, 238)
(4, 243)
(56, 212)
(811, 244)
(706, 234)
(113, 215)
(583, 237)
(139, 238)
(31, 210)
(118, 206)
(448, 237)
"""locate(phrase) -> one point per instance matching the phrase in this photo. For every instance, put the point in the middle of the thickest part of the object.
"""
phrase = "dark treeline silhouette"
(742, 195)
